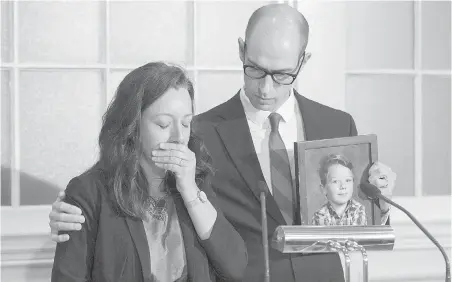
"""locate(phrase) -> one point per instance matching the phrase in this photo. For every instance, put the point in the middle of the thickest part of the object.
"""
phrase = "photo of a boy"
(337, 183)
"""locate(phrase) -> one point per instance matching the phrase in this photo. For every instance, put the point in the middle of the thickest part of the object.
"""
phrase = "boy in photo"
(337, 184)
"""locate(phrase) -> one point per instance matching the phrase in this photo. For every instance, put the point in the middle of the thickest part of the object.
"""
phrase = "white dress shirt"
(290, 128)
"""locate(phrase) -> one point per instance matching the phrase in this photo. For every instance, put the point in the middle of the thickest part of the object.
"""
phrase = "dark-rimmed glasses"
(278, 77)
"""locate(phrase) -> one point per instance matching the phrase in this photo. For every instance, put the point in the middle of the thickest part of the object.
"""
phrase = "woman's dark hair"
(329, 160)
(119, 138)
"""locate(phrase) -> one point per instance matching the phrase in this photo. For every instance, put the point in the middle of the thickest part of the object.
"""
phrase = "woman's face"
(339, 185)
(167, 120)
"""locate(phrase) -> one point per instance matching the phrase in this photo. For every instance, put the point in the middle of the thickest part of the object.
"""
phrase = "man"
(250, 138)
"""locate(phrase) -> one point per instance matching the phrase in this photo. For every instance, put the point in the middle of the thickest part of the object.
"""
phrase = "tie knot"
(274, 118)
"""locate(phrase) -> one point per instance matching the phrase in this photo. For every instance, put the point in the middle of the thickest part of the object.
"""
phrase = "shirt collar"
(333, 211)
(259, 117)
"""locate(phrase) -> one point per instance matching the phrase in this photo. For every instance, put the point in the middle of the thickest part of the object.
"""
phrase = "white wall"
(323, 79)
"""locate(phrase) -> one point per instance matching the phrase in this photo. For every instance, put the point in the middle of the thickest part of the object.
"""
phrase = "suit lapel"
(138, 234)
(236, 136)
(196, 259)
(308, 115)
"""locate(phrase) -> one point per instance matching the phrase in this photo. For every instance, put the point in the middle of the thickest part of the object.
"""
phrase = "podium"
(341, 239)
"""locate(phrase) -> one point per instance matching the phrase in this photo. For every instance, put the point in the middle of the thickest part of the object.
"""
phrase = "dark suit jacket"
(111, 247)
(225, 132)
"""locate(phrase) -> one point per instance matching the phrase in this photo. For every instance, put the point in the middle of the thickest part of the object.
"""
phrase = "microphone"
(263, 188)
(374, 193)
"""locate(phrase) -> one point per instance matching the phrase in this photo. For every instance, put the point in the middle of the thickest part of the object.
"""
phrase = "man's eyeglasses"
(278, 77)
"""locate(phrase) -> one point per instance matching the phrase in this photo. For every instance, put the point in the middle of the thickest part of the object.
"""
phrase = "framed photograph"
(328, 177)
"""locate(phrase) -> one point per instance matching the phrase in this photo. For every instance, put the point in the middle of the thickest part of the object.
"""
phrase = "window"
(62, 61)
(398, 85)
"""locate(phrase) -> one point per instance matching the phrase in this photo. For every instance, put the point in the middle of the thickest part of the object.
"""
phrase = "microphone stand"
(443, 252)
(265, 236)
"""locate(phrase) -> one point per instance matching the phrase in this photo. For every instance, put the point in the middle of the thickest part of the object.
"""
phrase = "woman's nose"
(178, 135)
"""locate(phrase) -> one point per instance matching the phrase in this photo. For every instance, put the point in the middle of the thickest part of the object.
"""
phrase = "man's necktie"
(280, 170)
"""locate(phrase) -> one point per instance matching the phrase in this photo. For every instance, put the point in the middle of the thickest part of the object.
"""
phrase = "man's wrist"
(385, 208)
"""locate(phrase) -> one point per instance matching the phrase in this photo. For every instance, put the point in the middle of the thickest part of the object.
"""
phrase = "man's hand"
(64, 217)
(384, 179)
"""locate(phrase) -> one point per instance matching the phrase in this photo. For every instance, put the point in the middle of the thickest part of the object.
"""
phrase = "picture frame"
(314, 203)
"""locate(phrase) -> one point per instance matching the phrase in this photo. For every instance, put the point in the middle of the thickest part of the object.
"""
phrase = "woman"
(150, 212)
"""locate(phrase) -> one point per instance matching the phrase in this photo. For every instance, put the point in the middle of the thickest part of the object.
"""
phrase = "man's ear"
(241, 50)
(306, 58)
